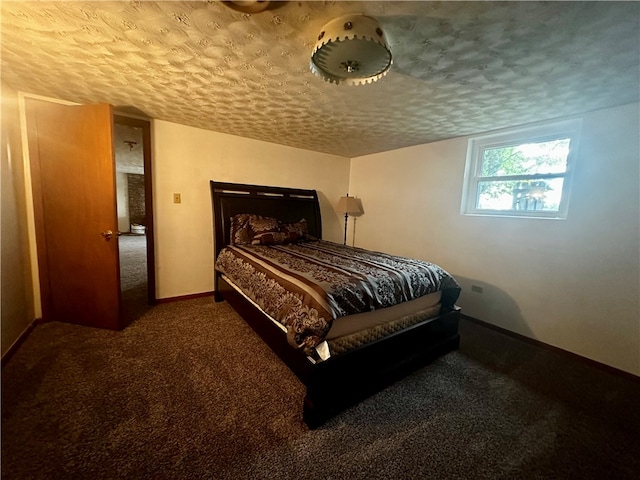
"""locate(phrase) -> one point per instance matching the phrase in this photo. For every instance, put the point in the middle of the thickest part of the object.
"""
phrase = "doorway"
(132, 150)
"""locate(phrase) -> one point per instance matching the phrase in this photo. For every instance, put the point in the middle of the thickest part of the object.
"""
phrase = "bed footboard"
(349, 378)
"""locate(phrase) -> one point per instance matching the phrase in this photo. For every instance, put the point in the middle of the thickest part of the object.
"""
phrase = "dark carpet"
(188, 391)
(133, 276)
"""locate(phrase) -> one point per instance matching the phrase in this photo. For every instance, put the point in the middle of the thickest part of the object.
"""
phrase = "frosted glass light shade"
(351, 49)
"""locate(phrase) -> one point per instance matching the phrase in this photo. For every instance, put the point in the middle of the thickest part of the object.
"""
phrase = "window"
(521, 173)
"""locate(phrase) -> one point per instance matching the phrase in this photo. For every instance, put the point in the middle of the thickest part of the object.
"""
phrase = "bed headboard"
(286, 204)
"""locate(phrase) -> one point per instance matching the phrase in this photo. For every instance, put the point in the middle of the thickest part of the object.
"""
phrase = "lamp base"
(346, 218)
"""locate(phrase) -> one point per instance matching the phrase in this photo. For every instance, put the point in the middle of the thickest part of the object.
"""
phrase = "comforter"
(305, 286)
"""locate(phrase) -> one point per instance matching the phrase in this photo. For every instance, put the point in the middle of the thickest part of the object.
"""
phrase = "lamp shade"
(351, 49)
(349, 206)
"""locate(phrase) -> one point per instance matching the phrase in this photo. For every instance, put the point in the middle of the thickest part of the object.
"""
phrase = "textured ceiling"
(459, 67)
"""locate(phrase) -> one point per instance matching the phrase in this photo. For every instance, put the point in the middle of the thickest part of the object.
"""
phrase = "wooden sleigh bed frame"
(345, 379)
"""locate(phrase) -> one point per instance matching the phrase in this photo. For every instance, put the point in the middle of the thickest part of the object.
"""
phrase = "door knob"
(108, 234)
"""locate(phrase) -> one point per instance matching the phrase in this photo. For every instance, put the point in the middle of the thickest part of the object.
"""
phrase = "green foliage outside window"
(519, 177)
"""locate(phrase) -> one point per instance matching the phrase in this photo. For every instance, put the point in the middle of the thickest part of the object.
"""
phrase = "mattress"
(353, 331)
(361, 321)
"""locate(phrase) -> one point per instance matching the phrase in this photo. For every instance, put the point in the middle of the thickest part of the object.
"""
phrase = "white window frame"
(506, 138)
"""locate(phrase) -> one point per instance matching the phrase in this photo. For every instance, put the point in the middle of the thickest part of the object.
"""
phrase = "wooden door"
(74, 190)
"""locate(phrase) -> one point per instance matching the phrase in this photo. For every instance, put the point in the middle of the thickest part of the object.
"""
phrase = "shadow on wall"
(545, 372)
(488, 303)
(130, 110)
(332, 226)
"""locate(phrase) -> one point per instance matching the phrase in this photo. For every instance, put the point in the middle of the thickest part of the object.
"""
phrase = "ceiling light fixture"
(247, 6)
(131, 144)
(351, 49)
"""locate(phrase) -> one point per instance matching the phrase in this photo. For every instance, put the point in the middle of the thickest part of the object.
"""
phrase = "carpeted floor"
(188, 391)
(133, 276)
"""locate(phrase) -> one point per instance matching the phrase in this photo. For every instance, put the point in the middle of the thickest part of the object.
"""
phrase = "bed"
(330, 312)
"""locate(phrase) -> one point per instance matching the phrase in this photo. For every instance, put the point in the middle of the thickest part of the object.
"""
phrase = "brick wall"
(136, 198)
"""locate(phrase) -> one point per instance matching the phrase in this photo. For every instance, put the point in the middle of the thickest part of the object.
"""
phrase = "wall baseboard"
(560, 351)
(19, 341)
(184, 297)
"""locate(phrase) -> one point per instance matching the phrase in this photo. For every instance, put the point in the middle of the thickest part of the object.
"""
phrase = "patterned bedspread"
(305, 286)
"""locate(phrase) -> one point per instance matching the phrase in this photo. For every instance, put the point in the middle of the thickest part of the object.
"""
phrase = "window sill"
(514, 215)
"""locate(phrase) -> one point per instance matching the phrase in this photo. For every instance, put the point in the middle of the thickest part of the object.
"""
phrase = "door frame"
(145, 125)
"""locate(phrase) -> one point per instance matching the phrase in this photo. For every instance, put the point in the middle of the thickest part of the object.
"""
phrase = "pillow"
(286, 233)
(299, 228)
(240, 231)
(274, 238)
(248, 228)
(245, 226)
(260, 225)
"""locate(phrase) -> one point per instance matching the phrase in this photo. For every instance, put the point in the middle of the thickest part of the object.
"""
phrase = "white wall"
(17, 308)
(573, 283)
(185, 159)
(122, 199)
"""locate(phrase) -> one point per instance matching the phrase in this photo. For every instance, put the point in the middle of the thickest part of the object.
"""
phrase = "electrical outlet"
(476, 288)
(176, 198)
